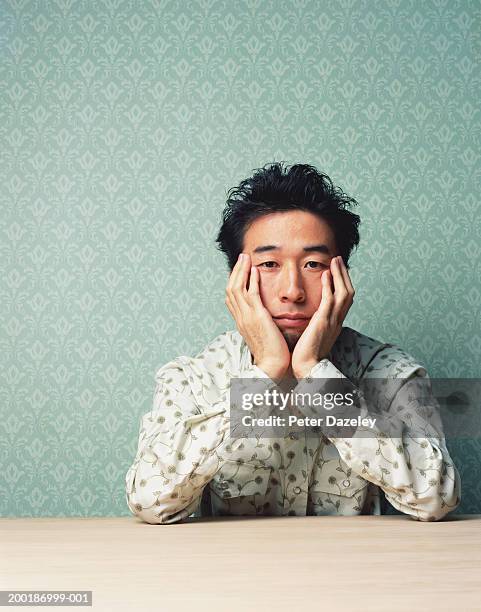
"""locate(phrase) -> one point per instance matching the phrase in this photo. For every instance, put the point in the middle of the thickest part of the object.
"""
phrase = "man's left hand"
(326, 323)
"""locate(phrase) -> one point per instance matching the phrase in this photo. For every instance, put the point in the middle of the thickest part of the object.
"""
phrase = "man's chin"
(291, 339)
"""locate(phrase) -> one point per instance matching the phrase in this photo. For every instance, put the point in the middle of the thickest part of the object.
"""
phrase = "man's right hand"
(255, 323)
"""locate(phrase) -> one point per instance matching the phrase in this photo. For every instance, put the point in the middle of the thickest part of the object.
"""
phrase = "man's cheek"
(265, 299)
(315, 293)
(265, 292)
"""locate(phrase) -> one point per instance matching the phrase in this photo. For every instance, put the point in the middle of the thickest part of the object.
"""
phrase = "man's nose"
(291, 288)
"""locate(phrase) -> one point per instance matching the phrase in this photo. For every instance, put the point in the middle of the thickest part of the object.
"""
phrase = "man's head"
(291, 222)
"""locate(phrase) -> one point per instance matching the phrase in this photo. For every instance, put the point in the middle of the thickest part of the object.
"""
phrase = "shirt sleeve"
(183, 442)
(404, 452)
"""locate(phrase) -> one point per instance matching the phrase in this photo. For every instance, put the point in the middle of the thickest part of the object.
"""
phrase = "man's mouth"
(292, 320)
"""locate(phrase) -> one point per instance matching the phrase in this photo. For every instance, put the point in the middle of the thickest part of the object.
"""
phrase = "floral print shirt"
(188, 464)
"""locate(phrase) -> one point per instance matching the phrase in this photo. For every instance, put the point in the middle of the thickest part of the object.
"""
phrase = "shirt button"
(297, 490)
(346, 482)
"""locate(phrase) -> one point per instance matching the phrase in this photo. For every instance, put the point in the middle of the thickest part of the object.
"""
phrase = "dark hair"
(277, 189)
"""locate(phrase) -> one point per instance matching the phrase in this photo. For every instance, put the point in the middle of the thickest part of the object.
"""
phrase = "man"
(288, 235)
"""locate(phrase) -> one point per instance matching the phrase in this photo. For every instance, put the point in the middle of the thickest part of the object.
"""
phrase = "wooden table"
(249, 563)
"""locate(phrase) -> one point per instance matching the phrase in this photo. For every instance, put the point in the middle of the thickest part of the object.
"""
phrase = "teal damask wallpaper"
(122, 126)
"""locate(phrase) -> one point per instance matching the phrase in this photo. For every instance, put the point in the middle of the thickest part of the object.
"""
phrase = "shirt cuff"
(318, 381)
(324, 369)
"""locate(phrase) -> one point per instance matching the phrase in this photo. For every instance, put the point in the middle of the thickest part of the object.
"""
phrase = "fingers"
(335, 305)
(253, 293)
(327, 298)
(235, 272)
(239, 283)
(230, 299)
(236, 291)
(344, 291)
(253, 290)
(347, 279)
(340, 290)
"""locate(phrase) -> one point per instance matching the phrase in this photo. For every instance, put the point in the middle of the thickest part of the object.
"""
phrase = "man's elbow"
(156, 510)
(435, 512)
(434, 504)
(148, 514)
(442, 500)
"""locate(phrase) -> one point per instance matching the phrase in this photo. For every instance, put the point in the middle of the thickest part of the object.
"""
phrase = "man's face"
(291, 250)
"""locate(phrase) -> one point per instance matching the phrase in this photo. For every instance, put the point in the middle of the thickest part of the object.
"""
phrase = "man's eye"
(265, 263)
(317, 264)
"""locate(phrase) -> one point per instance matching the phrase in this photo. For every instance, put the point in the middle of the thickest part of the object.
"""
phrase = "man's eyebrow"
(315, 248)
